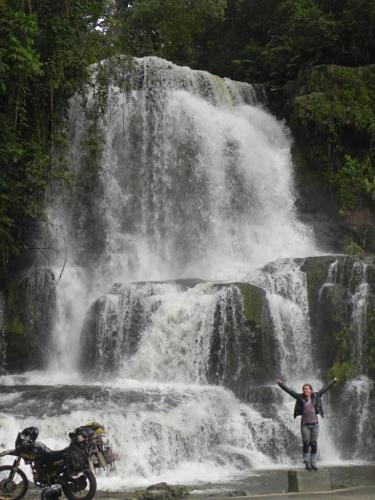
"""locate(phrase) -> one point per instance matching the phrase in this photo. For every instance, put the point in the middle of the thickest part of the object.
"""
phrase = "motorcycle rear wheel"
(72, 490)
(14, 488)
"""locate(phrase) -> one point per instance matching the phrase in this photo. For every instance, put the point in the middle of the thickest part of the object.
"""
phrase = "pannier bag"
(95, 432)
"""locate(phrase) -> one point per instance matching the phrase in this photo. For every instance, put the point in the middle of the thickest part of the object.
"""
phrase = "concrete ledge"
(304, 481)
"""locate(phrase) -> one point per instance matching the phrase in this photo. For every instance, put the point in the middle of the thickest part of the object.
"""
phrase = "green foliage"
(250, 40)
(302, 36)
(334, 116)
(342, 370)
(369, 343)
(355, 182)
(352, 248)
(46, 49)
(170, 29)
(344, 366)
(333, 96)
(355, 22)
(20, 67)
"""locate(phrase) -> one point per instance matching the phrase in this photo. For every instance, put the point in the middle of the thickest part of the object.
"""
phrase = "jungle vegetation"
(47, 49)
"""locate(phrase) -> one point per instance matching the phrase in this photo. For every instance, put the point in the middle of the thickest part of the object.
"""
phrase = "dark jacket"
(316, 398)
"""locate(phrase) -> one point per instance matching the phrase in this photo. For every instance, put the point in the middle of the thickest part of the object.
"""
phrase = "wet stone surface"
(354, 481)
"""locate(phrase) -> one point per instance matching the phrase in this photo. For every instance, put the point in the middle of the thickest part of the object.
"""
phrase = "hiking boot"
(307, 466)
(314, 466)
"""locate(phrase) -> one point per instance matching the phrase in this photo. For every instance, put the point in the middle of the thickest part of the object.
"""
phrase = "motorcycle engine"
(79, 483)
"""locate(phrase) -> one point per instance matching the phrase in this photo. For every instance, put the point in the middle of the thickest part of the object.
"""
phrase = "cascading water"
(358, 393)
(359, 308)
(286, 288)
(191, 173)
(185, 176)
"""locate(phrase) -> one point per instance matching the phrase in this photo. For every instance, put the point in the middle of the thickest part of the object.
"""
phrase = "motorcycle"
(67, 467)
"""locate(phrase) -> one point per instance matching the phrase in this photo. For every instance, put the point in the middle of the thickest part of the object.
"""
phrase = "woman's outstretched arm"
(327, 387)
(287, 389)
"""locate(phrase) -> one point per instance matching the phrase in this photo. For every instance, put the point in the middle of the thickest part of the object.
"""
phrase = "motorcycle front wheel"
(82, 486)
(13, 483)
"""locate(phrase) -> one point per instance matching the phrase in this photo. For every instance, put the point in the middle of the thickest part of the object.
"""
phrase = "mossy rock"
(334, 304)
(254, 303)
(316, 269)
(30, 304)
(243, 346)
(335, 334)
(369, 340)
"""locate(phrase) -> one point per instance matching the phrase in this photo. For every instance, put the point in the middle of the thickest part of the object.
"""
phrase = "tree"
(171, 29)
(46, 49)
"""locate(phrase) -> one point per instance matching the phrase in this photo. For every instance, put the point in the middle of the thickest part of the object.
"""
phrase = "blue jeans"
(310, 434)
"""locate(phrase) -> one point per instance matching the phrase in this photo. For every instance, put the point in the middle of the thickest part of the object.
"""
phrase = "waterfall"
(359, 309)
(357, 424)
(332, 278)
(286, 288)
(191, 172)
(359, 390)
(179, 303)
(160, 431)
(287, 295)
(350, 281)
(156, 332)
(71, 308)
(179, 178)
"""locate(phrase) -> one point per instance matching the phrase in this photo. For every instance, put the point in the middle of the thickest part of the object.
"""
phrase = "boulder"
(159, 491)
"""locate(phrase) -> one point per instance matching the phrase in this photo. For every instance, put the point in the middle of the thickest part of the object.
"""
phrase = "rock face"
(242, 335)
(342, 306)
(29, 313)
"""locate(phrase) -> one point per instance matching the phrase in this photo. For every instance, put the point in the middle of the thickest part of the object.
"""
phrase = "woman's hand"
(279, 381)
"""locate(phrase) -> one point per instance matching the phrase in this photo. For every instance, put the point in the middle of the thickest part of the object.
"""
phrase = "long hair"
(308, 385)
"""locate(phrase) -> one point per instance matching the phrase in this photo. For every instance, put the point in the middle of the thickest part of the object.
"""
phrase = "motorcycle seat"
(46, 453)
(51, 455)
